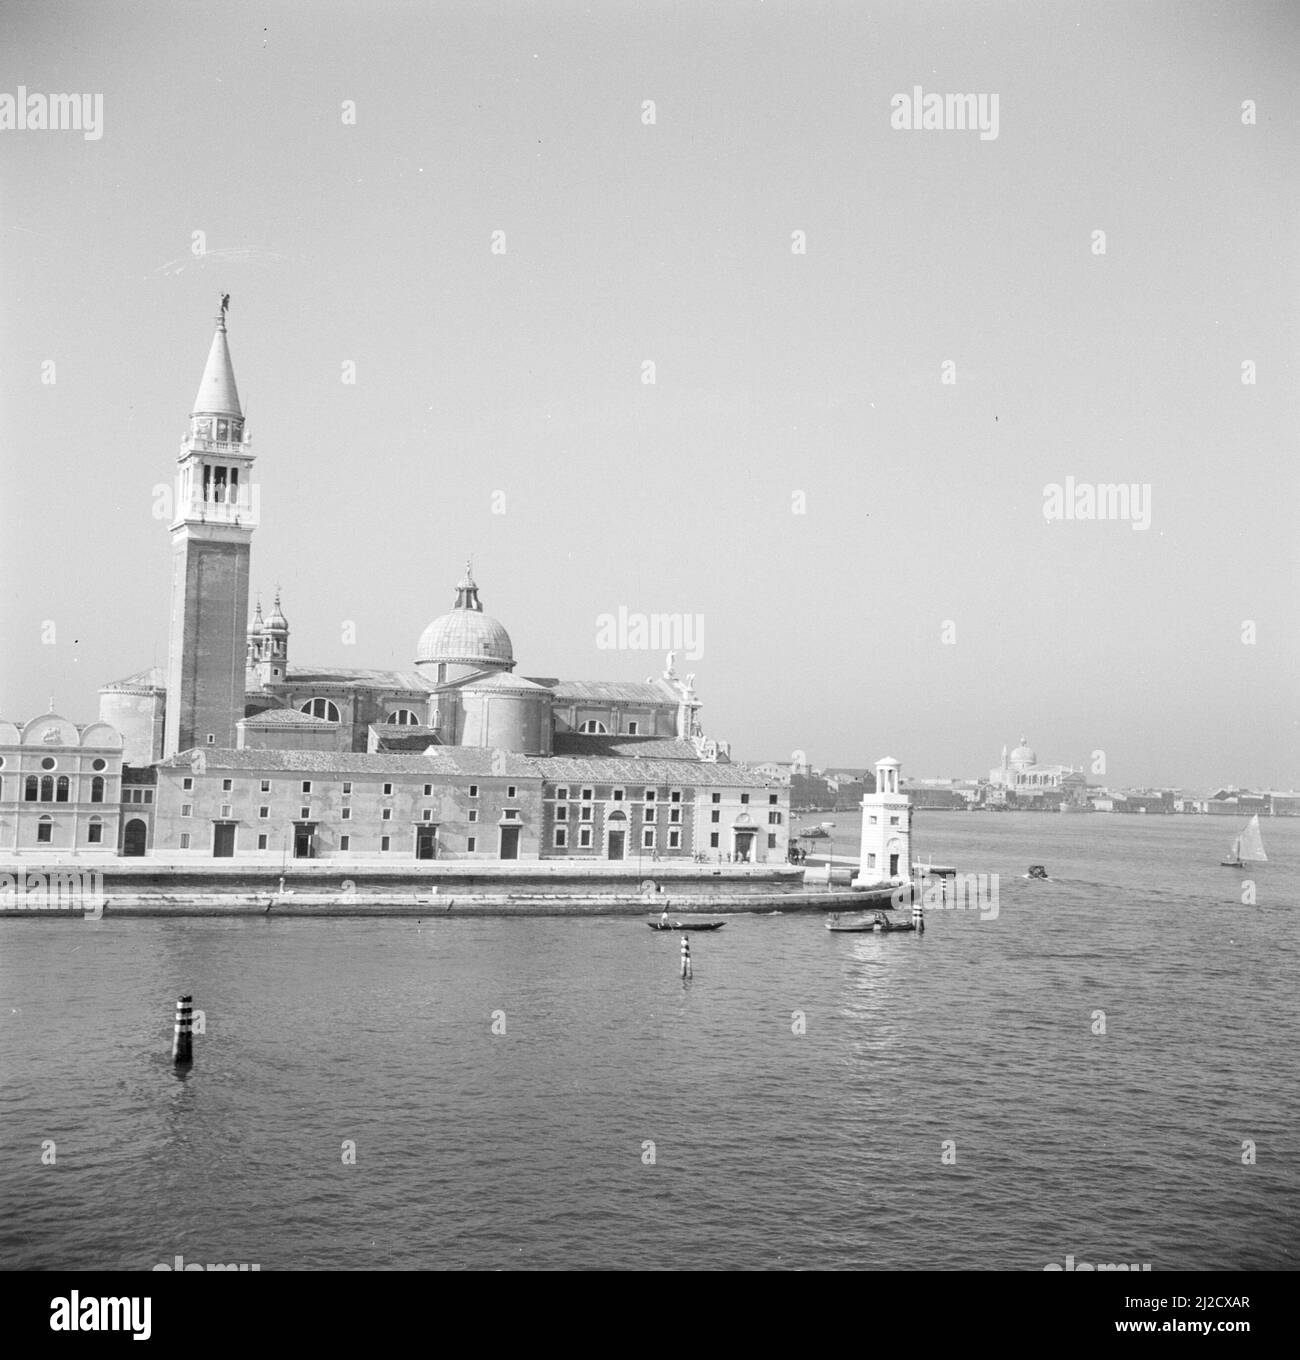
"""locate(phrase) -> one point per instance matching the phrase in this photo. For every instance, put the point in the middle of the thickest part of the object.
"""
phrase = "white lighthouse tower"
(886, 831)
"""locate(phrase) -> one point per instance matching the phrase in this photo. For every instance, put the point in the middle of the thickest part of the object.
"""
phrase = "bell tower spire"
(212, 530)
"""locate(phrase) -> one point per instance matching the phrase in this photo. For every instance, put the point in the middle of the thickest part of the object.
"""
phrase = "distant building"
(1022, 782)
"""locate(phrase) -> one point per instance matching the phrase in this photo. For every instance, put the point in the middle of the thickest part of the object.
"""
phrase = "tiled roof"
(619, 691)
(356, 678)
(476, 761)
(154, 677)
(287, 717)
(639, 748)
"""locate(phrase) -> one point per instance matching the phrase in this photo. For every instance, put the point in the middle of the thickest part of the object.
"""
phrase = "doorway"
(426, 842)
(133, 843)
(223, 840)
(510, 842)
(893, 866)
(304, 842)
(744, 846)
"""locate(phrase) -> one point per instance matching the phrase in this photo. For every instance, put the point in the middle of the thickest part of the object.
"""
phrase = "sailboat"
(1247, 846)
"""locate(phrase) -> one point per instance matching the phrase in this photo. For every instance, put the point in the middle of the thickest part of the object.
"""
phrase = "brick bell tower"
(211, 535)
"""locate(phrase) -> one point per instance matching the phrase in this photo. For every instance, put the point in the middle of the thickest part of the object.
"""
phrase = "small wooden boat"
(1036, 871)
(686, 925)
(876, 925)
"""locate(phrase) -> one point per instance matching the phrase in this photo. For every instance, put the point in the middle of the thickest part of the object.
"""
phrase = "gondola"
(878, 925)
(686, 925)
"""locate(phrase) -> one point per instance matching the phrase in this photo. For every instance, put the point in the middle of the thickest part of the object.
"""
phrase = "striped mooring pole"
(686, 956)
(918, 915)
(183, 1038)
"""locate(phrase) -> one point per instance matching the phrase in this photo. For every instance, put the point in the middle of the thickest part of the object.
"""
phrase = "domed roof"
(1023, 755)
(467, 636)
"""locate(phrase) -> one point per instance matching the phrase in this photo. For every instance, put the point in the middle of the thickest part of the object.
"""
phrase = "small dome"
(467, 636)
(1023, 754)
(277, 623)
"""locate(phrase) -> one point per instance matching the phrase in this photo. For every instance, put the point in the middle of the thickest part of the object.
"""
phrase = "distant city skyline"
(891, 372)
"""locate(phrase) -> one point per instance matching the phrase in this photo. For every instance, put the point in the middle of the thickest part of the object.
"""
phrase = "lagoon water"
(771, 1148)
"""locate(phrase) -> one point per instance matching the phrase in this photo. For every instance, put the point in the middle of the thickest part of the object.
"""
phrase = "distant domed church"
(236, 750)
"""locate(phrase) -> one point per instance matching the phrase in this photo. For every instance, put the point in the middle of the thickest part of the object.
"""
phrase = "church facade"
(235, 751)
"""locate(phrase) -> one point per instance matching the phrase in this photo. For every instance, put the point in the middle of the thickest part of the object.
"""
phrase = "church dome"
(1023, 754)
(466, 636)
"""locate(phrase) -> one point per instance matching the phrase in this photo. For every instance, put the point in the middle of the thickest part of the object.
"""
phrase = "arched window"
(321, 708)
(97, 789)
(62, 795)
(29, 788)
(593, 728)
(95, 832)
(47, 788)
(403, 718)
(44, 831)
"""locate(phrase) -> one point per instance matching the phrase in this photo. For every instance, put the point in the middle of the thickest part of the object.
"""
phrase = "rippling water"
(771, 1148)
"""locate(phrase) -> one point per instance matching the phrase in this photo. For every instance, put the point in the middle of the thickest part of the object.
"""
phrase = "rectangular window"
(473, 814)
(345, 842)
(874, 820)
(471, 843)
(871, 861)
(744, 798)
(772, 797)
(384, 842)
(649, 795)
(304, 814)
(187, 809)
(428, 814)
(473, 790)
(227, 785)
(386, 815)
(346, 814)
(648, 814)
(148, 795)
(586, 795)
(717, 798)
(388, 790)
(561, 835)
(225, 809)
(95, 833)
(428, 790)
(510, 791)
(713, 841)
(675, 796)
(674, 839)
(187, 784)
(261, 841)
(561, 814)
(648, 838)
(774, 819)
(562, 793)
(306, 785)
(632, 728)
(584, 837)
(511, 814)
(185, 840)
(264, 812)
(266, 786)
(893, 821)
(347, 787)
(675, 814)
(715, 815)
(585, 814)
(771, 841)
(618, 795)
(212, 739)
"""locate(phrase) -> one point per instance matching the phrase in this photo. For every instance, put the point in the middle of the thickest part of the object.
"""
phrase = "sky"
(873, 352)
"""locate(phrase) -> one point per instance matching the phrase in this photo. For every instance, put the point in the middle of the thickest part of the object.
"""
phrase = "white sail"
(1250, 844)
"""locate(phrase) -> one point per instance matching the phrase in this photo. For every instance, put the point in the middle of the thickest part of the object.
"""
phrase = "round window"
(47, 763)
(99, 764)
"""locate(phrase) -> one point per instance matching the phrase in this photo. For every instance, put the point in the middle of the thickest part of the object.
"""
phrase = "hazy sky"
(778, 375)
